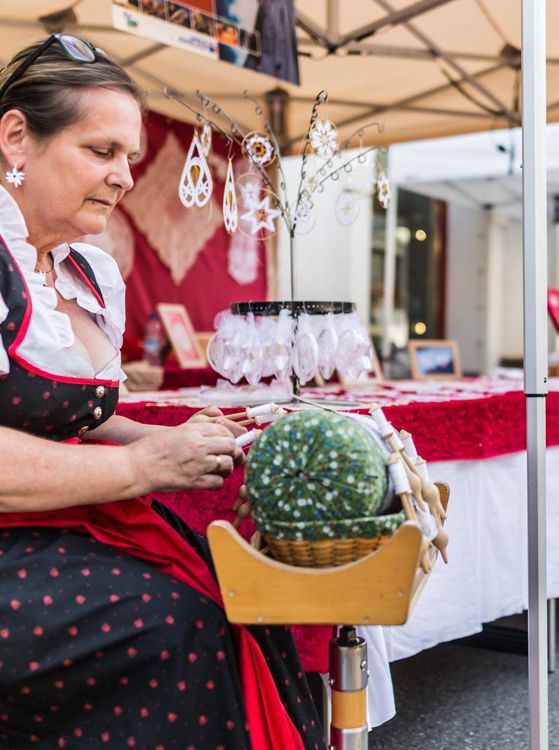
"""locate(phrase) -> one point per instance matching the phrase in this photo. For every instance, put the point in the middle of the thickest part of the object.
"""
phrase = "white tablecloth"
(486, 577)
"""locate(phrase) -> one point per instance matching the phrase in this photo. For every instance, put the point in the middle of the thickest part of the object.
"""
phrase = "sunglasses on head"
(74, 47)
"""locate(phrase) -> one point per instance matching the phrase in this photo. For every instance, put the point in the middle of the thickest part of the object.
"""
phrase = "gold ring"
(218, 464)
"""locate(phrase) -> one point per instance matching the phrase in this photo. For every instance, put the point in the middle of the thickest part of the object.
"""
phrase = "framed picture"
(432, 359)
(181, 335)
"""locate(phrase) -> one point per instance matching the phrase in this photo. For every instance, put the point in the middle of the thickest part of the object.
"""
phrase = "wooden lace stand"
(379, 589)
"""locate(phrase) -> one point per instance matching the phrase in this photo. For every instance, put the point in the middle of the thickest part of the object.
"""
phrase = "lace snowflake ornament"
(323, 137)
(259, 149)
(384, 190)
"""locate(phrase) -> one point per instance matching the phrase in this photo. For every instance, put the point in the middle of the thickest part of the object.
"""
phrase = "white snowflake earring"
(15, 177)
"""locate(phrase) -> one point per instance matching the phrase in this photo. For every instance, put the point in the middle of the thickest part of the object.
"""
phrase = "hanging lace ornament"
(323, 137)
(353, 355)
(305, 216)
(206, 138)
(266, 334)
(259, 149)
(361, 175)
(196, 185)
(261, 215)
(230, 213)
(327, 346)
(215, 350)
(305, 350)
(282, 346)
(252, 355)
(311, 183)
(250, 190)
(347, 207)
(384, 190)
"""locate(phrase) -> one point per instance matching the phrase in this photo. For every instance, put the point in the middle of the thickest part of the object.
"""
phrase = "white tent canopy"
(423, 68)
(479, 170)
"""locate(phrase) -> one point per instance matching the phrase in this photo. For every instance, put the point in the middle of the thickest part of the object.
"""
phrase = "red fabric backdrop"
(168, 253)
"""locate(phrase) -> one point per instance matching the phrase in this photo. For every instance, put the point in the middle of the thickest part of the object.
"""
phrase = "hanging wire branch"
(320, 98)
(333, 175)
(260, 112)
(199, 117)
(239, 137)
(235, 131)
(210, 110)
(234, 135)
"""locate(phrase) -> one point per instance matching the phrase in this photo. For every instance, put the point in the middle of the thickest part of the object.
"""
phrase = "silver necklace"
(43, 274)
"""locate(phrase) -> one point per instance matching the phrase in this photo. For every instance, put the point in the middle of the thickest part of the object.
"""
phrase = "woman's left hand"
(213, 414)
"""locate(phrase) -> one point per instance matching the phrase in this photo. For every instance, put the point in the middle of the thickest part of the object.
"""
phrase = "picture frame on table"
(181, 335)
(434, 359)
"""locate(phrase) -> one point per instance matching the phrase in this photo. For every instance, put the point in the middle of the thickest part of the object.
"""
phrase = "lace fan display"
(290, 341)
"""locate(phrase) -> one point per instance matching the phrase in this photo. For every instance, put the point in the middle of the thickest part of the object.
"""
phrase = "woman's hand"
(192, 456)
(213, 414)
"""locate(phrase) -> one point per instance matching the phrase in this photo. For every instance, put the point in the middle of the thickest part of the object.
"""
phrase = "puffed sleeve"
(4, 361)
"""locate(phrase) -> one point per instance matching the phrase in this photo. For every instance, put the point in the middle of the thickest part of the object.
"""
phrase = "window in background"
(419, 295)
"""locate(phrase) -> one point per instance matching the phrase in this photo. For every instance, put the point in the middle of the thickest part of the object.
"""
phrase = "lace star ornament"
(261, 215)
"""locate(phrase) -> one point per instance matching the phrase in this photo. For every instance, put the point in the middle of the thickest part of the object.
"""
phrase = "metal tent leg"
(551, 635)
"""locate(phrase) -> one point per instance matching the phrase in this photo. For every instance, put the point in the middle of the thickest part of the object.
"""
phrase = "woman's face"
(75, 178)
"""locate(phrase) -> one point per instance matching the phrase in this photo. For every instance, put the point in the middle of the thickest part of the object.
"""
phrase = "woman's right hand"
(190, 456)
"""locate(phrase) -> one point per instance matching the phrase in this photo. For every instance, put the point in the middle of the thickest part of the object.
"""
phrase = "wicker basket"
(325, 553)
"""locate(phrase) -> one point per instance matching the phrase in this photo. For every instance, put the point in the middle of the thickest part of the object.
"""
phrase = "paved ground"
(454, 697)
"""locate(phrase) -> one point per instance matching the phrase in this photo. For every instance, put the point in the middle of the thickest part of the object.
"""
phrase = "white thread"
(397, 439)
(258, 411)
(421, 467)
(378, 415)
(367, 423)
(247, 438)
(267, 418)
(426, 523)
(399, 478)
(409, 446)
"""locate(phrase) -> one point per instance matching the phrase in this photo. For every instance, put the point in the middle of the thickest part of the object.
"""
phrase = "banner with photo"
(255, 34)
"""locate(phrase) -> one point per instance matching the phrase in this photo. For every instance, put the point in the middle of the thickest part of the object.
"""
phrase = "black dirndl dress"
(98, 648)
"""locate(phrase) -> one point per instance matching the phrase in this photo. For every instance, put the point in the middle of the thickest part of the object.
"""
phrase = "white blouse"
(49, 335)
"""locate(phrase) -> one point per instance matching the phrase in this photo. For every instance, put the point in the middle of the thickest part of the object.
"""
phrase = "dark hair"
(46, 92)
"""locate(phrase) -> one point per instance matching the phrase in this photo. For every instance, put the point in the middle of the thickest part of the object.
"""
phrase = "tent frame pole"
(534, 197)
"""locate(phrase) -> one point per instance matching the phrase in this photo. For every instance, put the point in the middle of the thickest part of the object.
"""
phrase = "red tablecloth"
(451, 430)
(447, 430)
(191, 377)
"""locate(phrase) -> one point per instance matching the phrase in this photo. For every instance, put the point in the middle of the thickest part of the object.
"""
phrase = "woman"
(111, 629)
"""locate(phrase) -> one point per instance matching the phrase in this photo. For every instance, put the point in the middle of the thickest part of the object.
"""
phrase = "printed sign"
(255, 34)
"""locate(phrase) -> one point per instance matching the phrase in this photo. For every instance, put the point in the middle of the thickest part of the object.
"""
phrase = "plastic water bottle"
(152, 340)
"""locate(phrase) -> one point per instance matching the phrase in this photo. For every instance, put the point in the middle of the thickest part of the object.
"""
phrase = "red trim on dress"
(12, 349)
(88, 283)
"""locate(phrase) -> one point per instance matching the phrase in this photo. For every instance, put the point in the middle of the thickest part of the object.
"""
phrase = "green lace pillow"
(318, 475)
